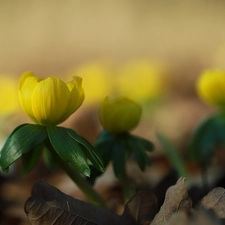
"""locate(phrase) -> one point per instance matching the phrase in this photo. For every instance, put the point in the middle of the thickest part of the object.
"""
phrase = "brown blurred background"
(49, 37)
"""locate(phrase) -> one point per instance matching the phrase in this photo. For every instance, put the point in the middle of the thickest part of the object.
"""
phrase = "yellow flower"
(119, 115)
(142, 80)
(49, 101)
(211, 87)
(97, 80)
(8, 93)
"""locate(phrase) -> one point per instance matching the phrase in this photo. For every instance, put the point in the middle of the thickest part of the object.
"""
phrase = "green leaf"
(104, 150)
(49, 160)
(206, 138)
(94, 175)
(140, 158)
(104, 137)
(118, 158)
(68, 149)
(30, 159)
(138, 148)
(23, 139)
(88, 150)
(173, 155)
(104, 146)
(147, 145)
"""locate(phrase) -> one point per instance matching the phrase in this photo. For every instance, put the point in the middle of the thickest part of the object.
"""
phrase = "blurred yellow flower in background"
(211, 87)
(98, 80)
(142, 80)
(119, 115)
(9, 98)
(49, 101)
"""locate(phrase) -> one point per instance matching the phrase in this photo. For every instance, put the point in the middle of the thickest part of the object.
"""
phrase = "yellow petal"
(50, 101)
(76, 94)
(26, 87)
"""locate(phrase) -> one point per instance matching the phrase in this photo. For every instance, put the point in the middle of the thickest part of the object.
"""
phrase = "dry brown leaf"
(215, 200)
(142, 206)
(47, 205)
(197, 217)
(176, 198)
(181, 217)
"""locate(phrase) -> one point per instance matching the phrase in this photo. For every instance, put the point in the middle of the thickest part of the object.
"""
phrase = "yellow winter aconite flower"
(8, 93)
(211, 87)
(49, 101)
(119, 115)
(97, 80)
(142, 80)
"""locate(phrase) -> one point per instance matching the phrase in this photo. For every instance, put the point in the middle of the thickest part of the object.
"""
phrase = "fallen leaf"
(176, 199)
(143, 206)
(215, 200)
(178, 218)
(194, 217)
(47, 205)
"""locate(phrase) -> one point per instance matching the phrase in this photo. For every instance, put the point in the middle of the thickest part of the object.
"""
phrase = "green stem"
(205, 183)
(86, 188)
(128, 190)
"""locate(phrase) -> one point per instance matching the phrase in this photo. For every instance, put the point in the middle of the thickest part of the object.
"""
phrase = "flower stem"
(205, 184)
(84, 186)
(128, 190)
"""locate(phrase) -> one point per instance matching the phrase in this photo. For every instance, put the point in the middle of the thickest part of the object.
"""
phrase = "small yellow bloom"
(120, 115)
(211, 87)
(97, 80)
(49, 101)
(142, 80)
(8, 92)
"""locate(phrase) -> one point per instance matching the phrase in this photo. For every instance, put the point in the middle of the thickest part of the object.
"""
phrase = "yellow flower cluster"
(141, 80)
(50, 101)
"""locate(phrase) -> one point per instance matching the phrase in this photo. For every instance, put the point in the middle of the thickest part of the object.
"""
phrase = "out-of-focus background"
(151, 51)
(49, 37)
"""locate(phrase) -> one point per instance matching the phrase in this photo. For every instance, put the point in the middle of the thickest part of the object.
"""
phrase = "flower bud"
(211, 87)
(49, 101)
(120, 115)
